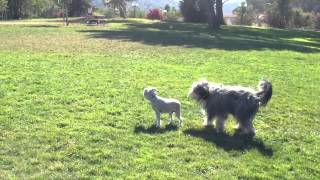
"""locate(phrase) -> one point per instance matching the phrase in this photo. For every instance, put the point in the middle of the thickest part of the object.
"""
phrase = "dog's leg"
(208, 121)
(170, 120)
(158, 120)
(239, 126)
(220, 122)
(246, 126)
(251, 129)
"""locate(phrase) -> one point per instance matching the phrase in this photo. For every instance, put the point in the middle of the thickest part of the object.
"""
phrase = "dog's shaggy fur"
(163, 105)
(217, 101)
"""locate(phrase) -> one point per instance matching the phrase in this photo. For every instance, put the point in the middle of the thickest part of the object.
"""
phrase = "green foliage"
(167, 7)
(108, 12)
(173, 15)
(301, 19)
(307, 5)
(287, 13)
(258, 5)
(245, 14)
(137, 13)
(79, 7)
(3, 5)
(71, 104)
(120, 5)
(279, 13)
(3, 9)
(193, 11)
(317, 20)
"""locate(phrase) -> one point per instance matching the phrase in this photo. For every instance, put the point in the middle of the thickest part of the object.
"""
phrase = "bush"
(136, 13)
(172, 16)
(245, 14)
(301, 19)
(108, 12)
(316, 17)
(155, 14)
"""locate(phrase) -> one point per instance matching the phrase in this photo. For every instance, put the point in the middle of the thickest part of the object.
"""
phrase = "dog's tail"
(265, 92)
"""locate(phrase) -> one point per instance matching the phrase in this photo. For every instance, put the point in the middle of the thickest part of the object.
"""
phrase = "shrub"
(172, 16)
(301, 19)
(155, 14)
(317, 20)
(108, 12)
(136, 13)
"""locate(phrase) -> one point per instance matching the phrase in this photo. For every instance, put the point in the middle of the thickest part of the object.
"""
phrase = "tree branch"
(225, 1)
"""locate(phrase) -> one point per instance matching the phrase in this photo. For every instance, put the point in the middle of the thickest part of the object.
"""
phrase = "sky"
(229, 6)
(235, 1)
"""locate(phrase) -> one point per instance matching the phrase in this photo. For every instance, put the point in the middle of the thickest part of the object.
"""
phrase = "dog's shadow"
(230, 142)
(155, 130)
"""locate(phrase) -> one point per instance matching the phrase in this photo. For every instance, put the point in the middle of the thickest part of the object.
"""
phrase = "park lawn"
(71, 103)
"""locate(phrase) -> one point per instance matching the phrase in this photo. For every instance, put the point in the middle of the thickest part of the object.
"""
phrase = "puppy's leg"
(220, 122)
(157, 119)
(178, 115)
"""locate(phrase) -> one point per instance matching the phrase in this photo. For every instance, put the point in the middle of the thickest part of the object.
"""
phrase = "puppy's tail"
(265, 92)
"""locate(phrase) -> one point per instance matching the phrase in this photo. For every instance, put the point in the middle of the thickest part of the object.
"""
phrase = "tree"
(121, 5)
(65, 5)
(258, 5)
(193, 10)
(79, 7)
(215, 14)
(245, 14)
(167, 7)
(3, 8)
(307, 5)
(279, 13)
(210, 11)
(15, 9)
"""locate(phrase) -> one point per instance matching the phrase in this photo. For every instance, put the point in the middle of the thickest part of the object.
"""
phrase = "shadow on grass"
(230, 142)
(154, 130)
(197, 35)
(42, 26)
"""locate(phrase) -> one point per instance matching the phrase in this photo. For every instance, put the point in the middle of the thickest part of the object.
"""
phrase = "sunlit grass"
(71, 103)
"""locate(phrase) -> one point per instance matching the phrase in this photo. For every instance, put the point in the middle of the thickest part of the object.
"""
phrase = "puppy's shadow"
(154, 130)
(230, 142)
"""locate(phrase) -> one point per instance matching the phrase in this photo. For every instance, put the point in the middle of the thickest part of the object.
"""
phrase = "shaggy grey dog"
(163, 105)
(218, 101)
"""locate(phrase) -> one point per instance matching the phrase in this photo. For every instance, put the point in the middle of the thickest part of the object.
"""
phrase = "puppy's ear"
(153, 91)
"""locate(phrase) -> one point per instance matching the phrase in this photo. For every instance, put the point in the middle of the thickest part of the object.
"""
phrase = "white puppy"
(163, 105)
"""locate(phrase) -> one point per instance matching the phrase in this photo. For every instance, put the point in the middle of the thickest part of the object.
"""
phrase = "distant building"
(230, 19)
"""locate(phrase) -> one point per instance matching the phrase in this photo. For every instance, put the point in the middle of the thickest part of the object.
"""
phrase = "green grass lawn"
(71, 103)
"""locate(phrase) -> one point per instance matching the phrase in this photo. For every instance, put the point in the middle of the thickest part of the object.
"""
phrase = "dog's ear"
(201, 89)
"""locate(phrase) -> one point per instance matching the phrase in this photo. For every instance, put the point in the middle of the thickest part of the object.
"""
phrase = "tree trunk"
(122, 10)
(65, 13)
(67, 16)
(219, 9)
(213, 20)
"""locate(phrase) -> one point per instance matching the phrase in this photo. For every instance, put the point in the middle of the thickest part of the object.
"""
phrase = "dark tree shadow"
(231, 142)
(198, 36)
(42, 26)
(154, 130)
